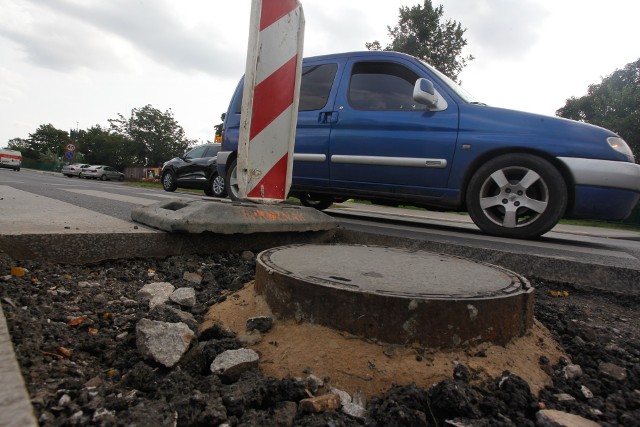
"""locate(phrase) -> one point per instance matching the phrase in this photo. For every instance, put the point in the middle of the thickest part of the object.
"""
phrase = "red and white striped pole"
(270, 100)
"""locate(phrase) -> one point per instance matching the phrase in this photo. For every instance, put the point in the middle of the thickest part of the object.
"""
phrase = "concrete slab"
(224, 217)
(396, 295)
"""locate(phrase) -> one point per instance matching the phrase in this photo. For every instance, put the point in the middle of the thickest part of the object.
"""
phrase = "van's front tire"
(516, 195)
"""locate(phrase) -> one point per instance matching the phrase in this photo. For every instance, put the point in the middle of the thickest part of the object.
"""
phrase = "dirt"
(353, 364)
(73, 330)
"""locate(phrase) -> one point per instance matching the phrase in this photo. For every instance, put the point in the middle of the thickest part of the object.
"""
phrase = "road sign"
(270, 100)
(69, 154)
(71, 147)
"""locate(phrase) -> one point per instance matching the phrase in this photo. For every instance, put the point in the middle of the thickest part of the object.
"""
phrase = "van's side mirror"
(425, 93)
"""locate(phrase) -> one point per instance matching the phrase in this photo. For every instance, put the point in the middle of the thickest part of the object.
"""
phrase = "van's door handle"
(328, 117)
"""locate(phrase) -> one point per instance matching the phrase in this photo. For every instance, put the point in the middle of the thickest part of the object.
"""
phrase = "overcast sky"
(81, 62)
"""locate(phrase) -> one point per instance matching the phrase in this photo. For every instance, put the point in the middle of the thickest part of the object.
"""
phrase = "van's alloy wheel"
(516, 195)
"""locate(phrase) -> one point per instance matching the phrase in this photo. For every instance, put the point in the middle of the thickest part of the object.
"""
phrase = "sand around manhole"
(351, 363)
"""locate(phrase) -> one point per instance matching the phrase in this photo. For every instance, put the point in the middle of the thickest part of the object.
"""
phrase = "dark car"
(195, 169)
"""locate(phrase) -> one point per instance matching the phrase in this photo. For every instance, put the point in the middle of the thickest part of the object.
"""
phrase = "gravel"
(74, 332)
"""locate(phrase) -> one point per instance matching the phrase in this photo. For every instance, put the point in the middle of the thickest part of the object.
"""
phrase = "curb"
(15, 404)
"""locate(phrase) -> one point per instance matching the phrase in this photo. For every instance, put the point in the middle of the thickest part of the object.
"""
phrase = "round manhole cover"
(396, 295)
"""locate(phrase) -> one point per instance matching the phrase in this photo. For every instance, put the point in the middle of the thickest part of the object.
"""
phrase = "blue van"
(386, 127)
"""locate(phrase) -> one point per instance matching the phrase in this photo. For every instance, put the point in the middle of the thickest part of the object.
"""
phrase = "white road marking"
(113, 196)
(173, 195)
(28, 213)
(9, 180)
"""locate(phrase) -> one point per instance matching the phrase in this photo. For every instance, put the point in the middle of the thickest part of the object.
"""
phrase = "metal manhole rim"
(519, 284)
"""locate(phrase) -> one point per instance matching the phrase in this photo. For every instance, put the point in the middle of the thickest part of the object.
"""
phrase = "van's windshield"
(466, 96)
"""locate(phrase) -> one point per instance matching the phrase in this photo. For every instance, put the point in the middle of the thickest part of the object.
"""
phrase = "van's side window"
(382, 86)
(315, 87)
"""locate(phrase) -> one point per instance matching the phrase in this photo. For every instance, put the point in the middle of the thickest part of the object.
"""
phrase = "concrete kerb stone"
(222, 217)
(15, 404)
(88, 248)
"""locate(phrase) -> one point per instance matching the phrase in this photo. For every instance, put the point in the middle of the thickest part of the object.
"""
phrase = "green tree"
(614, 103)
(156, 136)
(421, 33)
(24, 146)
(99, 146)
(49, 141)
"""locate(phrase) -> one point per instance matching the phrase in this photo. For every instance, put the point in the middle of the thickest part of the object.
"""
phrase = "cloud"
(72, 34)
(337, 31)
(502, 29)
(12, 85)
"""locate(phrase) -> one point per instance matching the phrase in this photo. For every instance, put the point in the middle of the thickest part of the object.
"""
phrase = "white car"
(102, 172)
(74, 170)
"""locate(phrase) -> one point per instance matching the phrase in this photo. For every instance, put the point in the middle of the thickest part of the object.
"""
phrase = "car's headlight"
(621, 146)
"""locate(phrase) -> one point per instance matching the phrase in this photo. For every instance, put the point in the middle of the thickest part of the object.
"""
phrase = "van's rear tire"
(231, 181)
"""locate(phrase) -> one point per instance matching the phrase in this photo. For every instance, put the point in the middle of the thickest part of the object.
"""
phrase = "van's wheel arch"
(516, 195)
